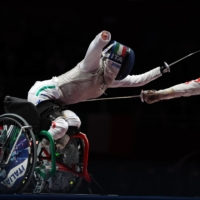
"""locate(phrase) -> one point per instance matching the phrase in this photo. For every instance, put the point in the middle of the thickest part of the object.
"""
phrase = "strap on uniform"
(49, 111)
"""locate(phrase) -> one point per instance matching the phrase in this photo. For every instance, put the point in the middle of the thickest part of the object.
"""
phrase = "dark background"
(135, 148)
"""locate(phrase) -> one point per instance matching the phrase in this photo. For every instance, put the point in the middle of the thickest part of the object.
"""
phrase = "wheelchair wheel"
(71, 155)
(17, 154)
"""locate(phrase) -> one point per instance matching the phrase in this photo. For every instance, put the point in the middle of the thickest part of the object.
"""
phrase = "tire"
(16, 175)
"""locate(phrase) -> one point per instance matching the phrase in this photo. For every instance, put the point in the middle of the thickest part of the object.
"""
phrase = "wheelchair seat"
(25, 109)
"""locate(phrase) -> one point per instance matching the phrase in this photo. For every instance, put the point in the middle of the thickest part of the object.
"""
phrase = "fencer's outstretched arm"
(92, 58)
(138, 80)
(187, 89)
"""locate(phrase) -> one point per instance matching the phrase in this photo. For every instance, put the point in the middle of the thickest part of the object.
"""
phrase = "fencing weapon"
(100, 99)
(168, 66)
(141, 94)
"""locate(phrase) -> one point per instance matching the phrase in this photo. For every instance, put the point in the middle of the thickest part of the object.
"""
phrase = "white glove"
(165, 68)
(150, 96)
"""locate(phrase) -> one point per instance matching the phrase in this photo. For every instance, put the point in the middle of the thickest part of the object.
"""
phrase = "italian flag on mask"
(120, 49)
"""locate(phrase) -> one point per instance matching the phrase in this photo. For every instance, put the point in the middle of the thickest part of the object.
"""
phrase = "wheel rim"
(15, 175)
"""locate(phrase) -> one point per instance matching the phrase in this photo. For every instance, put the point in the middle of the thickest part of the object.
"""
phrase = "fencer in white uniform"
(186, 89)
(99, 70)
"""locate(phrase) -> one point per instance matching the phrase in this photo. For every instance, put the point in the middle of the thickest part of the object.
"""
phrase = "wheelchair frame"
(55, 164)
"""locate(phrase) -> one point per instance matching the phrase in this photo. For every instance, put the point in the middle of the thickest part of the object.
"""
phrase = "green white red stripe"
(45, 88)
(120, 50)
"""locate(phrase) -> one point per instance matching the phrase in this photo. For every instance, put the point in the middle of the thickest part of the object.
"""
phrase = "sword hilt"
(167, 68)
(142, 96)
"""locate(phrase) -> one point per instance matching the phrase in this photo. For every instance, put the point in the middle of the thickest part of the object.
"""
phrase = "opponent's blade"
(101, 99)
(183, 58)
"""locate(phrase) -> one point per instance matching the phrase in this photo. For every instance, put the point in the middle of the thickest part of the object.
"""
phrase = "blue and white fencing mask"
(119, 60)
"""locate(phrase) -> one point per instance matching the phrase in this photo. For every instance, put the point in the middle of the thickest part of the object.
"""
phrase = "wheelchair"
(26, 166)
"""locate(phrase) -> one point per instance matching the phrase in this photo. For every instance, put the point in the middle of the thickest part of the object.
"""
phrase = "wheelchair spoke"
(18, 159)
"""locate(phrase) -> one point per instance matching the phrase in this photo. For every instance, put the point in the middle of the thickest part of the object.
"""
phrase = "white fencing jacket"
(88, 79)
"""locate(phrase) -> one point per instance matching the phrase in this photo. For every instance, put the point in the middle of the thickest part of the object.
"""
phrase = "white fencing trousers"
(60, 125)
(58, 128)
(71, 118)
